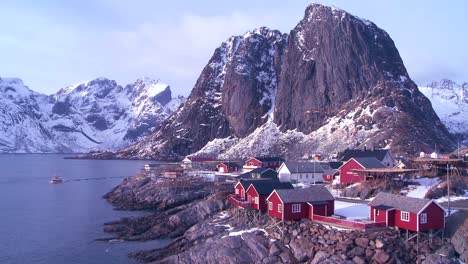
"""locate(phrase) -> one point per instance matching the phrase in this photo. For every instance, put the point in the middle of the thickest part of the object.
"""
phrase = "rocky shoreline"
(205, 229)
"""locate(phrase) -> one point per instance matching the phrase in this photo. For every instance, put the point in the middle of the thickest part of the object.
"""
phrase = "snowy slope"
(450, 101)
(94, 115)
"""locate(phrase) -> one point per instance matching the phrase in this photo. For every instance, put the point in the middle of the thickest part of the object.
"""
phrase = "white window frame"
(270, 206)
(280, 208)
(256, 200)
(423, 218)
(296, 208)
(405, 216)
(237, 191)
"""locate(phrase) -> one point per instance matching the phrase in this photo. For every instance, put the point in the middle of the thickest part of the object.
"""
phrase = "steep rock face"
(232, 96)
(336, 63)
(336, 81)
(95, 115)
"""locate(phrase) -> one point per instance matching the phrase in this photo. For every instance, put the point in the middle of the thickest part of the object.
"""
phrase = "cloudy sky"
(53, 43)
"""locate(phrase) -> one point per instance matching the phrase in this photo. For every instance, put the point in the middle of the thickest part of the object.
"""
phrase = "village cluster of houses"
(342, 171)
(266, 184)
(282, 201)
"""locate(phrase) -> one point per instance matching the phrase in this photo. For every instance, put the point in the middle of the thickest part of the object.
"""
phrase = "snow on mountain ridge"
(450, 101)
(94, 115)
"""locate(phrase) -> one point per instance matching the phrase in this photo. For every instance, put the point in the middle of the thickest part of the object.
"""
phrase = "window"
(405, 216)
(296, 208)
(423, 218)
(270, 206)
(280, 208)
(250, 163)
(237, 191)
(256, 200)
(307, 176)
(376, 212)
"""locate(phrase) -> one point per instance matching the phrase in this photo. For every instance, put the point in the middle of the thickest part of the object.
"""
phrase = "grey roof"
(399, 202)
(304, 167)
(335, 164)
(246, 182)
(360, 153)
(314, 193)
(270, 159)
(267, 187)
(261, 170)
(231, 164)
(370, 163)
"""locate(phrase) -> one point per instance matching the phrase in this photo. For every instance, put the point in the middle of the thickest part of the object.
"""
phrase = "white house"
(307, 172)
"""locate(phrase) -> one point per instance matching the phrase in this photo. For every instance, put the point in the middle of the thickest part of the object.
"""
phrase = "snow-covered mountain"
(94, 115)
(450, 101)
(335, 81)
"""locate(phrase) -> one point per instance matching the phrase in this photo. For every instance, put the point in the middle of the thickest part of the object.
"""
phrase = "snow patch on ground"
(420, 191)
(352, 211)
(240, 232)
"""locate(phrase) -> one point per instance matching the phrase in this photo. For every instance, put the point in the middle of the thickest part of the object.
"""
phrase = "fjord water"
(42, 222)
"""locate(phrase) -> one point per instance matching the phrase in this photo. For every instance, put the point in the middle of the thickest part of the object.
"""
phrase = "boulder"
(362, 242)
(319, 257)
(358, 260)
(381, 257)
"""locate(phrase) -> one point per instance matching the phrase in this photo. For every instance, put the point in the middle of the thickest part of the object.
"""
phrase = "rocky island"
(206, 229)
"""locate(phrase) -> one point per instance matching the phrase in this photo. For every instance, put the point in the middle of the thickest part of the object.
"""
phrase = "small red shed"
(293, 204)
(409, 213)
(258, 191)
(224, 167)
(262, 162)
(349, 176)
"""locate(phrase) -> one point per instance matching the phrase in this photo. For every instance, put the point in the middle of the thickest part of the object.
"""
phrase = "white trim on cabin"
(423, 218)
(429, 203)
(405, 216)
(296, 208)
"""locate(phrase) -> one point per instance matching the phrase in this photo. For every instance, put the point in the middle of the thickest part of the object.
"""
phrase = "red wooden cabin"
(228, 167)
(349, 176)
(262, 162)
(258, 191)
(293, 204)
(409, 213)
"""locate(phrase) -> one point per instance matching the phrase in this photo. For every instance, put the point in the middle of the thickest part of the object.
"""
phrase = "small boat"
(56, 179)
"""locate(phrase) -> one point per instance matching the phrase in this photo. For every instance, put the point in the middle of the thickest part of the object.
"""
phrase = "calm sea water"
(58, 223)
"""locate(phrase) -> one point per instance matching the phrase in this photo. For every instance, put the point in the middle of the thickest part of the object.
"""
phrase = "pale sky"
(53, 43)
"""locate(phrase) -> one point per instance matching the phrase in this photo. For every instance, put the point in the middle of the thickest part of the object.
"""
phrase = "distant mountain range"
(90, 116)
(450, 101)
(335, 81)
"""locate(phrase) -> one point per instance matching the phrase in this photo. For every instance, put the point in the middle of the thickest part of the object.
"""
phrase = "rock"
(362, 242)
(286, 257)
(319, 257)
(379, 243)
(365, 193)
(369, 253)
(359, 260)
(275, 249)
(459, 238)
(446, 251)
(356, 251)
(381, 257)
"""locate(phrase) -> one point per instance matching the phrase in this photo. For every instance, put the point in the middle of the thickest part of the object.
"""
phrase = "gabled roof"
(231, 164)
(335, 164)
(399, 202)
(370, 163)
(245, 175)
(261, 170)
(314, 193)
(269, 159)
(266, 187)
(304, 167)
(246, 182)
(359, 153)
